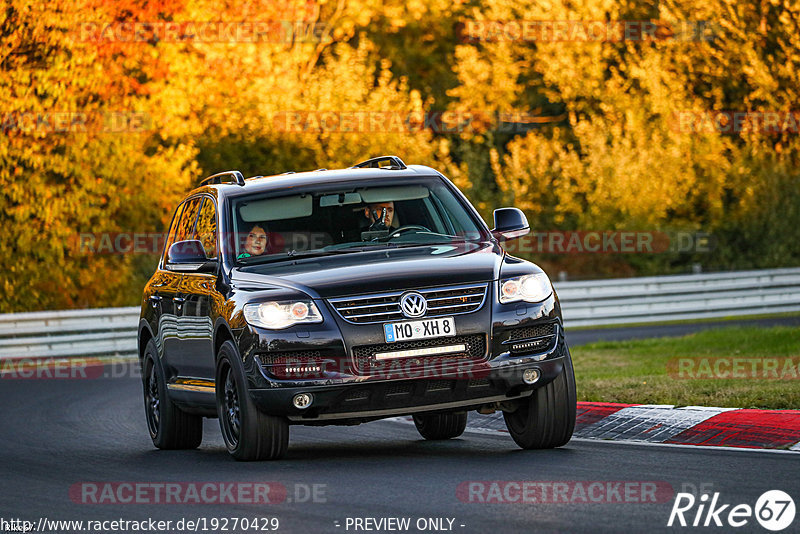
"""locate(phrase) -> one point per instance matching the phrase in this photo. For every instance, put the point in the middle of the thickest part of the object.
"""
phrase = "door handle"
(178, 300)
(154, 300)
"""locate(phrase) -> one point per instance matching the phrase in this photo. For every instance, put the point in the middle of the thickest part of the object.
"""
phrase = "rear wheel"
(248, 433)
(441, 426)
(546, 419)
(170, 428)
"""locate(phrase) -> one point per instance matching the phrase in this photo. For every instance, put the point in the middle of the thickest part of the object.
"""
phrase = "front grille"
(382, 307)
(365, 362)
(532, 339)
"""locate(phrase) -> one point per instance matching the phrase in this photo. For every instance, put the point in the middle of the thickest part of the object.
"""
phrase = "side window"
(206, 230)
(176, 219)
(185, 228)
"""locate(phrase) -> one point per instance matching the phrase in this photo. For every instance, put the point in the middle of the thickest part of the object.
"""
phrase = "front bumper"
(358, 399)
(351, 396)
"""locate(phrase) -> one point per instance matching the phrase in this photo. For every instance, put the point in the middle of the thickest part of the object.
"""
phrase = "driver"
(380, 215)
(255, 243)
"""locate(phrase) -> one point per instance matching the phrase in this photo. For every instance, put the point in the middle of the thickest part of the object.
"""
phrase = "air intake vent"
(297, 365)
(532, 339)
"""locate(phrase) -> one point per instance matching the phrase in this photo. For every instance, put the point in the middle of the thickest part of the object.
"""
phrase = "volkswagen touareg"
(346, 296)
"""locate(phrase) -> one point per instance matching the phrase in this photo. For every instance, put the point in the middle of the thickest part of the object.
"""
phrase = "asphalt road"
(60, 434)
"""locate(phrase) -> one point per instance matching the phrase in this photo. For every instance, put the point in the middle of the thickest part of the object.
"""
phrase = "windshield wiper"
(368, 245)
(293, 255)
(455, 237)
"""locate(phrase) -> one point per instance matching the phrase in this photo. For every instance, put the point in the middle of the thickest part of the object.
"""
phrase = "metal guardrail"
(680, 297)
(112, 331)
(72, 333)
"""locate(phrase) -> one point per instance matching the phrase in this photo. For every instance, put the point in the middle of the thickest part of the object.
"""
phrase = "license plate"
(422, 329)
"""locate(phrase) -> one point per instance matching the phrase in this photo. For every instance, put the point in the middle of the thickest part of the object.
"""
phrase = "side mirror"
(189, 256)
(510, 223)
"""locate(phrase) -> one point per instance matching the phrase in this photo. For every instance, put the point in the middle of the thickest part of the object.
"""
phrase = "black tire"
(170, 428)
(441, 425)
(546, 419)
(248, 433)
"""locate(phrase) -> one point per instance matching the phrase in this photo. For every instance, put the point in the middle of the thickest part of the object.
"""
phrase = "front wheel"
(546, 419)
(441, 425)
(170, 428)
(248, 433)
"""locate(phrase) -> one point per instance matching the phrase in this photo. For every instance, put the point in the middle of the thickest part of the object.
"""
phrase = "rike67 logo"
(774, 510)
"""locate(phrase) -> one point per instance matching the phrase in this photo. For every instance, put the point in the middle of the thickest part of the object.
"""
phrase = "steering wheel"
(407, 228)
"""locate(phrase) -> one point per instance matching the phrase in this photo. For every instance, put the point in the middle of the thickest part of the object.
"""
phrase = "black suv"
(346, 296)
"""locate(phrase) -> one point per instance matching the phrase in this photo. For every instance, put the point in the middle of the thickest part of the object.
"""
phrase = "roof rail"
(238, 178)
(375, 163)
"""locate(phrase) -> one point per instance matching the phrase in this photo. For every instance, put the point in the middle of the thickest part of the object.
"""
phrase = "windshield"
(276, 227)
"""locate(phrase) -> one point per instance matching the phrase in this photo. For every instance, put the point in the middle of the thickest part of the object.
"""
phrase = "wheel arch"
(222, 333)
(145, 335)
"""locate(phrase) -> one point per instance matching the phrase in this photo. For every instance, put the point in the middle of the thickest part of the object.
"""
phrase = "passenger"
(256, 242)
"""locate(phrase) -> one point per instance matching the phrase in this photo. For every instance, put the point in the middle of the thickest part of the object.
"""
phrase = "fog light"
(302, 401)
(529, 376)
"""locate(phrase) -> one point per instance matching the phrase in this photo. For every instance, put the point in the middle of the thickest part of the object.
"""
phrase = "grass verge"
(738, 367)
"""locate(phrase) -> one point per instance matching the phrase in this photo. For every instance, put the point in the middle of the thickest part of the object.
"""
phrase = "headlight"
(278, 315)
(530, 288)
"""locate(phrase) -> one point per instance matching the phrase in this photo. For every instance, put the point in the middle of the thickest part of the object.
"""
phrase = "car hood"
(375, 271)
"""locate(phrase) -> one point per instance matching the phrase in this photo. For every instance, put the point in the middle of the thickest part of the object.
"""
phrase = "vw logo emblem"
(413, 305)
